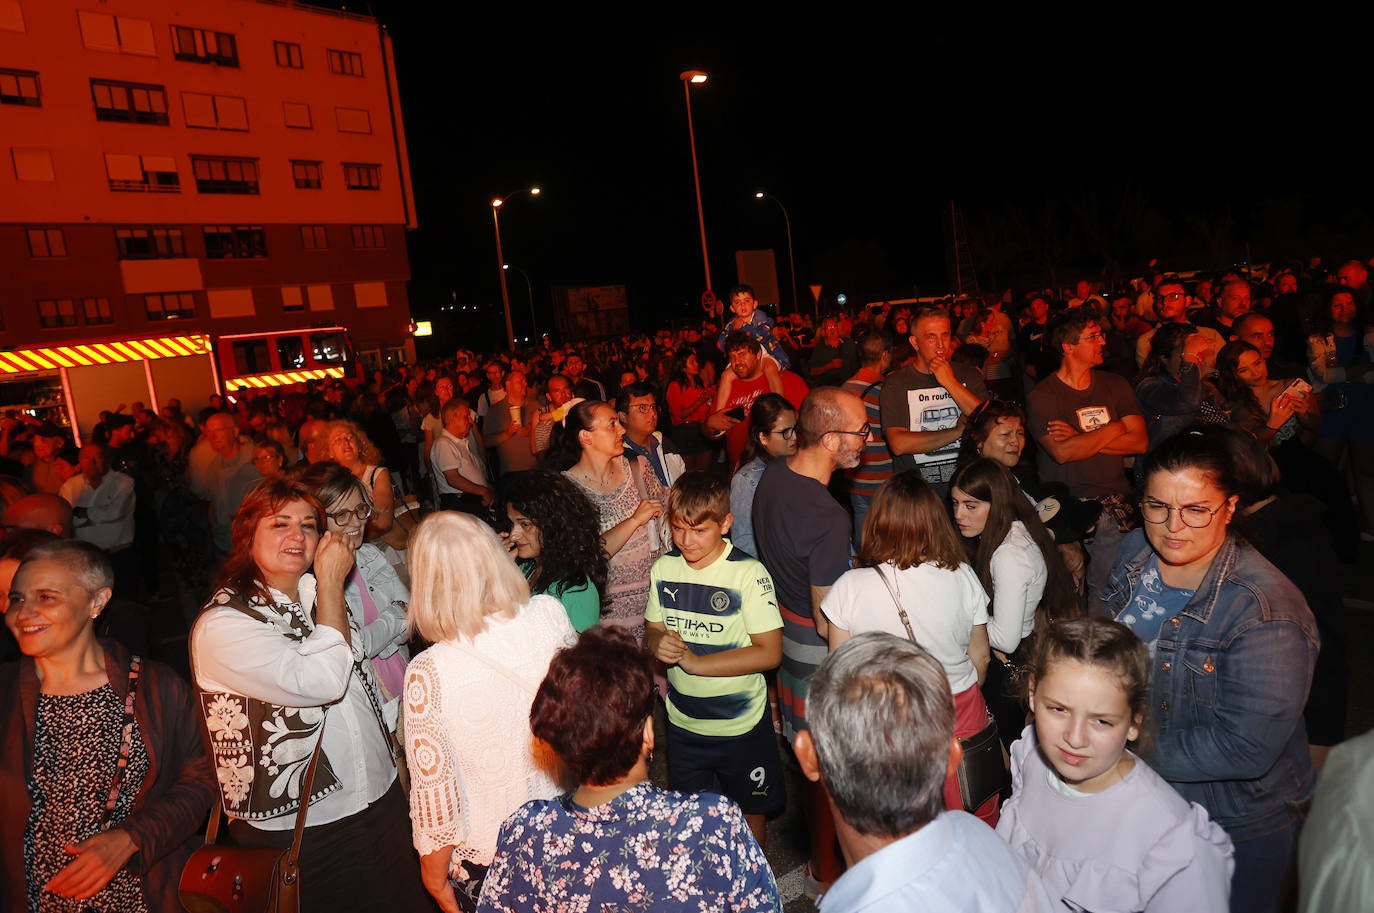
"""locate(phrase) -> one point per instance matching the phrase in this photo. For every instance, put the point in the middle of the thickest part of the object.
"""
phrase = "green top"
(581, 602)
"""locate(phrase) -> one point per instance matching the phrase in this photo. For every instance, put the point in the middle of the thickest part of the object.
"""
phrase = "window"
(297, 114)
(290, 353)
(366, 236)
(353, 120)
(216, 174)
(32, 164)
(235, 242)
(19, 87)
(345, 63)
(313, 237)
(149, 243)
(56, 312)
(222, 112)
(329, 348)
(306, 175)
(288, 54)
(133, 102)
(204, 46)
(362, 177)
(146, 173)
(122, 34)
(292, 298)
(47, 242)
(170, 305)
(251, 356)
(97, 310)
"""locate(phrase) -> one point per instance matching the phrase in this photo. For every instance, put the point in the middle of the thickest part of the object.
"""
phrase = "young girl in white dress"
(1102, 829)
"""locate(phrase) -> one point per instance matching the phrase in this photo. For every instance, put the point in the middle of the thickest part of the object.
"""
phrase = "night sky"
(865, 131)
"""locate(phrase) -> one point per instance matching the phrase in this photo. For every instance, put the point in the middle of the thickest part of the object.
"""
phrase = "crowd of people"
(1112, 522)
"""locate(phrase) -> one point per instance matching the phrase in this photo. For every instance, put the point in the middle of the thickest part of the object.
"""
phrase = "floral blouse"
(646, 849)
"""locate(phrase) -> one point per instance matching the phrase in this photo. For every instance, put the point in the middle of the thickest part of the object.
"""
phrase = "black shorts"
(747, 767)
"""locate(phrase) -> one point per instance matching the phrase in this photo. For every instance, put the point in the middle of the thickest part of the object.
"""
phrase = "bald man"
(43, 511)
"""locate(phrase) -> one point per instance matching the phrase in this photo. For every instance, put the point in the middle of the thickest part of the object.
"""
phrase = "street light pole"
(791, 261)
(690, 78)
(529, 289)
(496, 205)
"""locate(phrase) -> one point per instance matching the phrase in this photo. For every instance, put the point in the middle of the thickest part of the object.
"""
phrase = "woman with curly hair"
(349, 446)
(555, 539)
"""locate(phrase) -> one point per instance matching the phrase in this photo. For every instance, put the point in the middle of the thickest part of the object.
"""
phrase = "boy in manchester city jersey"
(713, 619)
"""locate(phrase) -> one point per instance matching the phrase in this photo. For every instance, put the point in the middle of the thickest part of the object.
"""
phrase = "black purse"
(982, 771)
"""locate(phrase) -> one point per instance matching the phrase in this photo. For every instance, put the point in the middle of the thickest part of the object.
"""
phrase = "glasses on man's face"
(1172, 296)
(863, 432)
(1092, 337)
(787, 433)
(1194, 516)
(362, 513)
(644, 408)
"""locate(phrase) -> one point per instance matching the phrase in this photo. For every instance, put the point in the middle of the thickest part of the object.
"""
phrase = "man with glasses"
(1086, 423)
(1172, 303)
(875, 463)
(638, 410)
(802, 534)
(925, 402)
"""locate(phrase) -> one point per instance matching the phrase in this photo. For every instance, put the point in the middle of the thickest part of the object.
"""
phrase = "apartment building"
(200, 166)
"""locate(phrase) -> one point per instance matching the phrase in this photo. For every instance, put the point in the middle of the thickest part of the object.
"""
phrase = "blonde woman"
(467, 700)
(349, 446)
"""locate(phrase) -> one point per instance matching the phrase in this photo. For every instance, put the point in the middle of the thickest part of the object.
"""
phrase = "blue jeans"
(1101, 556)
(1263, 881)
(860, 505)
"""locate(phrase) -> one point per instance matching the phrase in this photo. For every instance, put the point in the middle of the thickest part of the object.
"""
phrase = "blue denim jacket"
(1228, 684)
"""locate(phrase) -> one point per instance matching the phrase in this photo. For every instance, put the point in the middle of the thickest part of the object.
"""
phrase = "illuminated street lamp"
(496, 205)
(791, 263)
(534, 326)
(689, 79)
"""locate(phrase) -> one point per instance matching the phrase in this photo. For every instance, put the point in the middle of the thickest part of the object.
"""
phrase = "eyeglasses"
(1194, 516)
(362, 513)
(863, 432)
(1093, 337)
(787, 433)
(645, 408)
(1173, 296)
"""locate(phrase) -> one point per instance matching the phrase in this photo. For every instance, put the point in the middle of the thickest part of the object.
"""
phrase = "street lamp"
(496, 205)
(791, 262)
(529, 289)
(689, 79)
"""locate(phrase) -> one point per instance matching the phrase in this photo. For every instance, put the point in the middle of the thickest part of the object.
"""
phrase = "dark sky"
(864, 130)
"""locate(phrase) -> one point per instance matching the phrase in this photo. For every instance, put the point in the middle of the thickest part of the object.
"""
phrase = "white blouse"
(1018, 582)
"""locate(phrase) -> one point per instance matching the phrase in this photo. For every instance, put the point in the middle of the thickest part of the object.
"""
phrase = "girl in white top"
(1075, 785)
(909, 542)
(472, 757)
(1016, 560)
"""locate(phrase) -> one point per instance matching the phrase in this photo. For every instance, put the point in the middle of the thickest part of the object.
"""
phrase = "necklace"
(610, 480)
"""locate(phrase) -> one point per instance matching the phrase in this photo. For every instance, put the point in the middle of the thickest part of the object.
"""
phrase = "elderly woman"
(1233, 645)
(617, 840)
(95, 813)
(588, 448)
(467, 699)
(376, 597)
(281, 668)
(350, 447)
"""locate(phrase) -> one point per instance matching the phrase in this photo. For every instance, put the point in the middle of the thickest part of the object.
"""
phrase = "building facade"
(200, 166)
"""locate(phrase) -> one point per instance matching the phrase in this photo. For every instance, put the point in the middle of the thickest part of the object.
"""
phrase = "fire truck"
(70, 385)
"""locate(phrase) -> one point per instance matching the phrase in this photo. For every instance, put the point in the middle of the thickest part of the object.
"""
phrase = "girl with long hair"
(772, 434)
(689, 402)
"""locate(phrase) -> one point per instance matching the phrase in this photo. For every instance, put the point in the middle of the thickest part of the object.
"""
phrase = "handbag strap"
(637, 473)
(901, 611)
(125, 745)
(212, 829)
(495, 667)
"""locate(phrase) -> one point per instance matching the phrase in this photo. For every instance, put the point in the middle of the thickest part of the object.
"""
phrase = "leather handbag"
(982, 771)
(247, 879)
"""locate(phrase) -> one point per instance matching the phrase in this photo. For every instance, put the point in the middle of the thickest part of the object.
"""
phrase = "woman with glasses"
(772, 434)
(350, 446)
(376, 597)
(1233, 646)
(588, 447)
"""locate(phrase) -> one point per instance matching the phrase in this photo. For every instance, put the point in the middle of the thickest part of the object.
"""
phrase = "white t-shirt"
(942, 606)
(1018, 582)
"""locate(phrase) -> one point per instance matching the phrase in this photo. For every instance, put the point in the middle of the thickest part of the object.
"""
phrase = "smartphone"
(1299, 388)
(736, 413)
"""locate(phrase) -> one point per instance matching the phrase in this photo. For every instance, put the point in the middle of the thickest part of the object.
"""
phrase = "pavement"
(786, 846)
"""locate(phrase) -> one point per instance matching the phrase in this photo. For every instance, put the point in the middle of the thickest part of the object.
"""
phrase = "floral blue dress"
(646, 849)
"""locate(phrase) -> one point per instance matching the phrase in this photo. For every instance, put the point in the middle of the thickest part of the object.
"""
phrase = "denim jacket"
(1228, 683)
